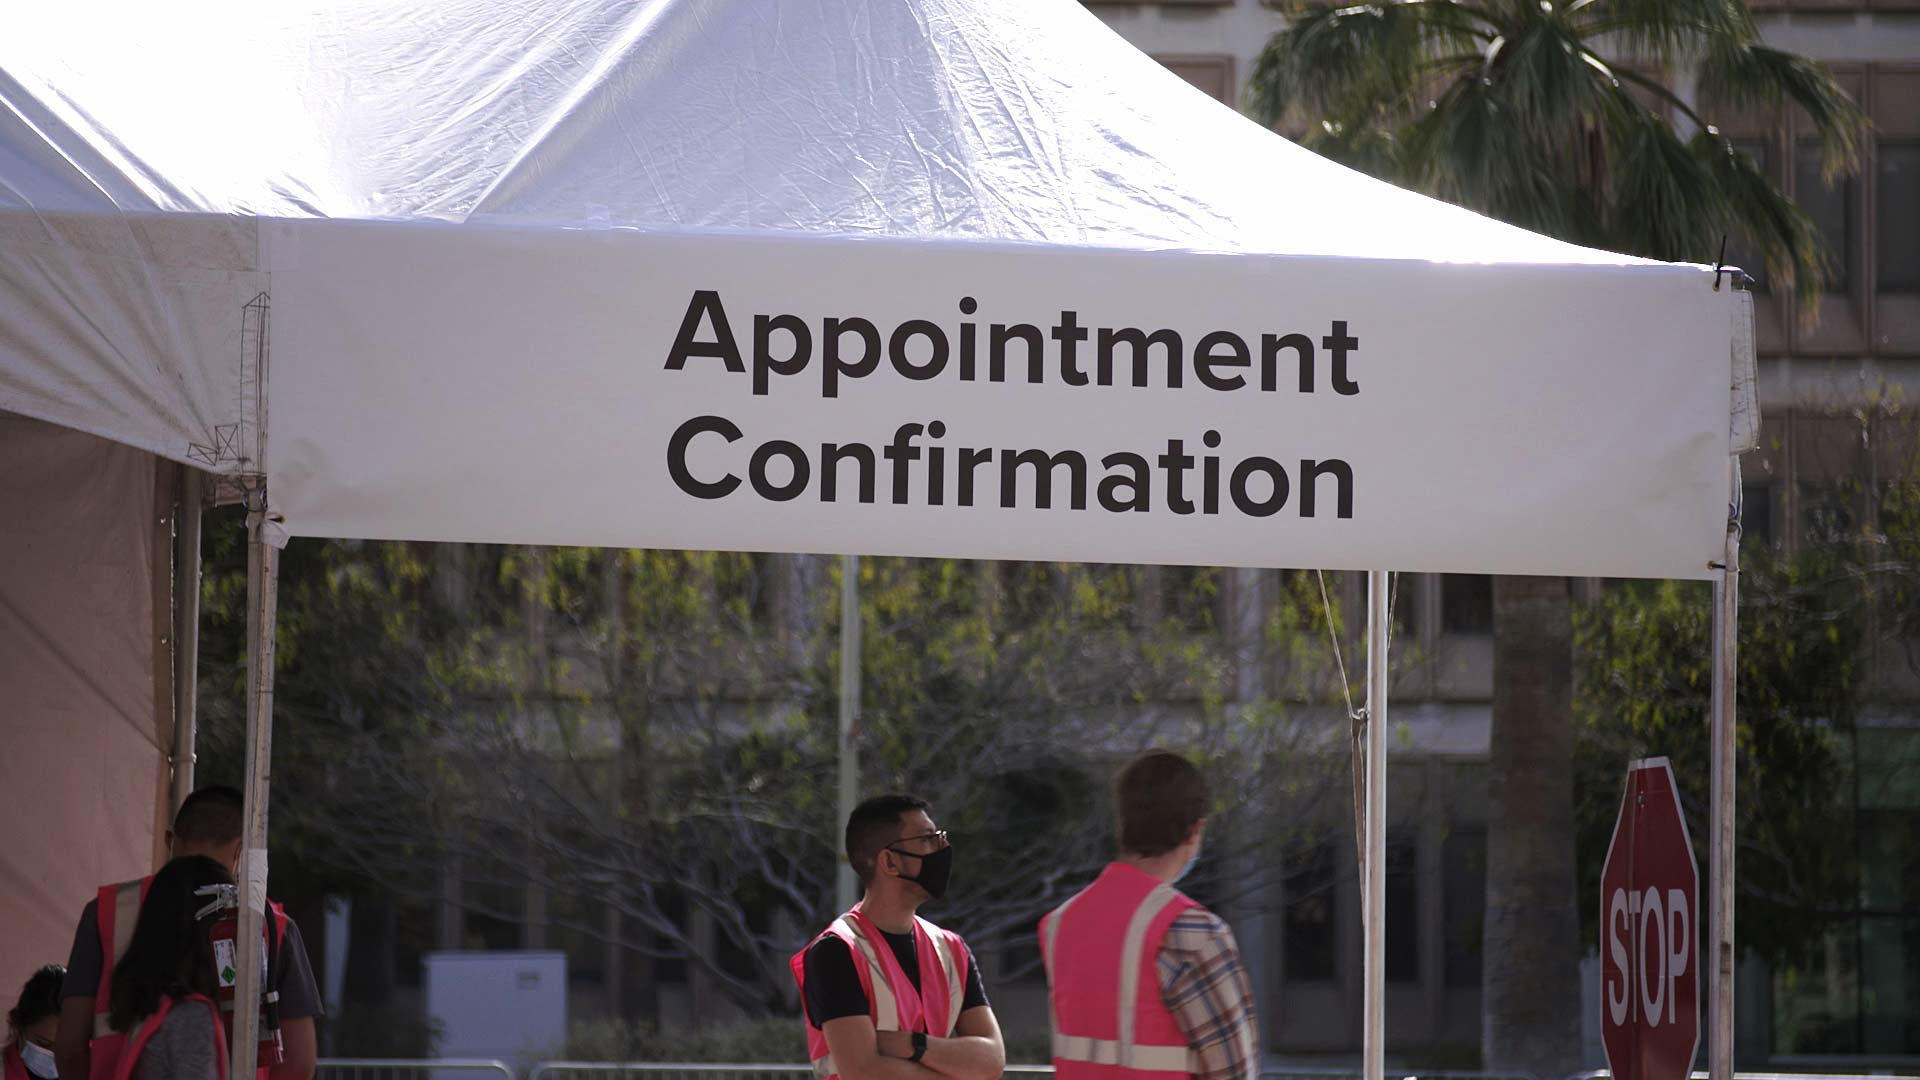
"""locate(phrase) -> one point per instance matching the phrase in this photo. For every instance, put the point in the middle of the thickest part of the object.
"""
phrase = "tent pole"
(264, 538)
(186, 631)
(1374, 876)
(1726, 607)
(845, 886)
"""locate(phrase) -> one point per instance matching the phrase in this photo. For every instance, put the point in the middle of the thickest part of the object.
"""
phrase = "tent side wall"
(86, 682)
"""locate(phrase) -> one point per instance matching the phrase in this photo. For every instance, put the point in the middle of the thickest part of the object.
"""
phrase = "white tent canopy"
(467, 236)
(961, 278)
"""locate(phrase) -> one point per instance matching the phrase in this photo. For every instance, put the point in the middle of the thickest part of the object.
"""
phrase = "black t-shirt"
(833, 984)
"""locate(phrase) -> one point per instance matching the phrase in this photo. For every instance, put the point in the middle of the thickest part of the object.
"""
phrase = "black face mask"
(935, 870)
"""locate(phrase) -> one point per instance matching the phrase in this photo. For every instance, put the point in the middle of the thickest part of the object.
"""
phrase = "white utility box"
(506, 1005)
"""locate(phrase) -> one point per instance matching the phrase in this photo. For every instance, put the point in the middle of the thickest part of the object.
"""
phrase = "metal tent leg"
(186, 631)
(846, 889)
(1726, 606)
(1374, 874)
(265, 537)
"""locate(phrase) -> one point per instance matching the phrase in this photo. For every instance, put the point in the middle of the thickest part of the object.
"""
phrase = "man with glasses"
(889, 995)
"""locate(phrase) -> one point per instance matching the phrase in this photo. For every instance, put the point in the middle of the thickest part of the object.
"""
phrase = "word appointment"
(919, 464)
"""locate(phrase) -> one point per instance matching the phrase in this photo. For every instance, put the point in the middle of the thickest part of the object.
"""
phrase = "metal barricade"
(687, 1070)
(1855, 1073)
(476, 1069)
(412, 1069)
(667, 1070)
(1293, 1072)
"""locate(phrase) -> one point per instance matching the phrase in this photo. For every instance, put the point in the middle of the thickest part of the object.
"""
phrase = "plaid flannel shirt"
(1205, 985)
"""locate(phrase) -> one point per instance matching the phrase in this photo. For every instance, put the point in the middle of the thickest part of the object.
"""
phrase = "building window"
(1830, 205)
(1756, 514)
(1816, 997)
(1889, 931)
(670, 962)
(733, 956)
(1856, 989)
(1403, 909)
(495, 915)
(1466, 604)
(1898, 211)
(1888, 834)
(1826, 513)
(1463, 897)
(413, 939)
(1404, 602)
(1020, 959)
(578, 927)
(1307, 936)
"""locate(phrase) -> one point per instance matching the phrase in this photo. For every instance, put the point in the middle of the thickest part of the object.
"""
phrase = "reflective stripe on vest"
(1111, 1052)
(1123, 1051)
(142, 1034)
(956, 993)
(886, 1009)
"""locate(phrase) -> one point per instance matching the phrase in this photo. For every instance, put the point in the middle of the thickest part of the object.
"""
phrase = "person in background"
(31, 1026)
(165, 984)
(1142, 982)
(208, 823)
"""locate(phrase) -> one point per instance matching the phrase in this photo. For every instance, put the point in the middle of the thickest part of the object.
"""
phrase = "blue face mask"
(1188, 869)
(38, 1060)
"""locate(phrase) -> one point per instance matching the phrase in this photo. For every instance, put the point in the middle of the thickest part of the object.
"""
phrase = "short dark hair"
(873, 825)
(210, 817)
(170, 951)
(39, 999)
(1157, 798)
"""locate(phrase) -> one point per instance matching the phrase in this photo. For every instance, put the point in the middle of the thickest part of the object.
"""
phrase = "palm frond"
(1366, 142)
(1751, 207)
(1545, 76)
(1664, 201)
(1659, 91)
(1330, 57)
(1469, 150)
(1749, 75)
(1663, 31)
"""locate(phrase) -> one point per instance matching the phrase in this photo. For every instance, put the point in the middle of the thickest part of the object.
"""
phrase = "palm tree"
(1518, 109)
(1513, 108)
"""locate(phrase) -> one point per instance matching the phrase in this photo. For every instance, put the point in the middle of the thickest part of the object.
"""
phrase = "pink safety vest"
(892, 1000)
(1109, 1022)
(115, 912)
(143, 1034)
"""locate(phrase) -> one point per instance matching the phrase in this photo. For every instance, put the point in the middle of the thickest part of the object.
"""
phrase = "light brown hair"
(1157, 798)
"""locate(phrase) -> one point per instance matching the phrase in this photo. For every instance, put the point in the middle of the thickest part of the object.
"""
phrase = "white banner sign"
(989, 401)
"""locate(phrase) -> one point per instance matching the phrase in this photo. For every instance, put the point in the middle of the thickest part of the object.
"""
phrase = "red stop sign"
(1649, 943)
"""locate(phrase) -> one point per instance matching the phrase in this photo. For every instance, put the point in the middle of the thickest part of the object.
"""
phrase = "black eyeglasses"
(938, 836)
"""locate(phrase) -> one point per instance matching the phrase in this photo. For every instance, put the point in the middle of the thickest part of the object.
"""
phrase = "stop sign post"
(1649, 940)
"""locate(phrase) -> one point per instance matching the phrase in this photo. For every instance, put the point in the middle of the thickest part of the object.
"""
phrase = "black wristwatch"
(919, 1046)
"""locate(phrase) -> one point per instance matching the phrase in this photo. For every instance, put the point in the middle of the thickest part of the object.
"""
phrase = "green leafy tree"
(1825, 630)
(1646, 687)
(640, 744)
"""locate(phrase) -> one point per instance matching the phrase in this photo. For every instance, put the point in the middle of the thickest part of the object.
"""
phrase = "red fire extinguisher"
(221, 914)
